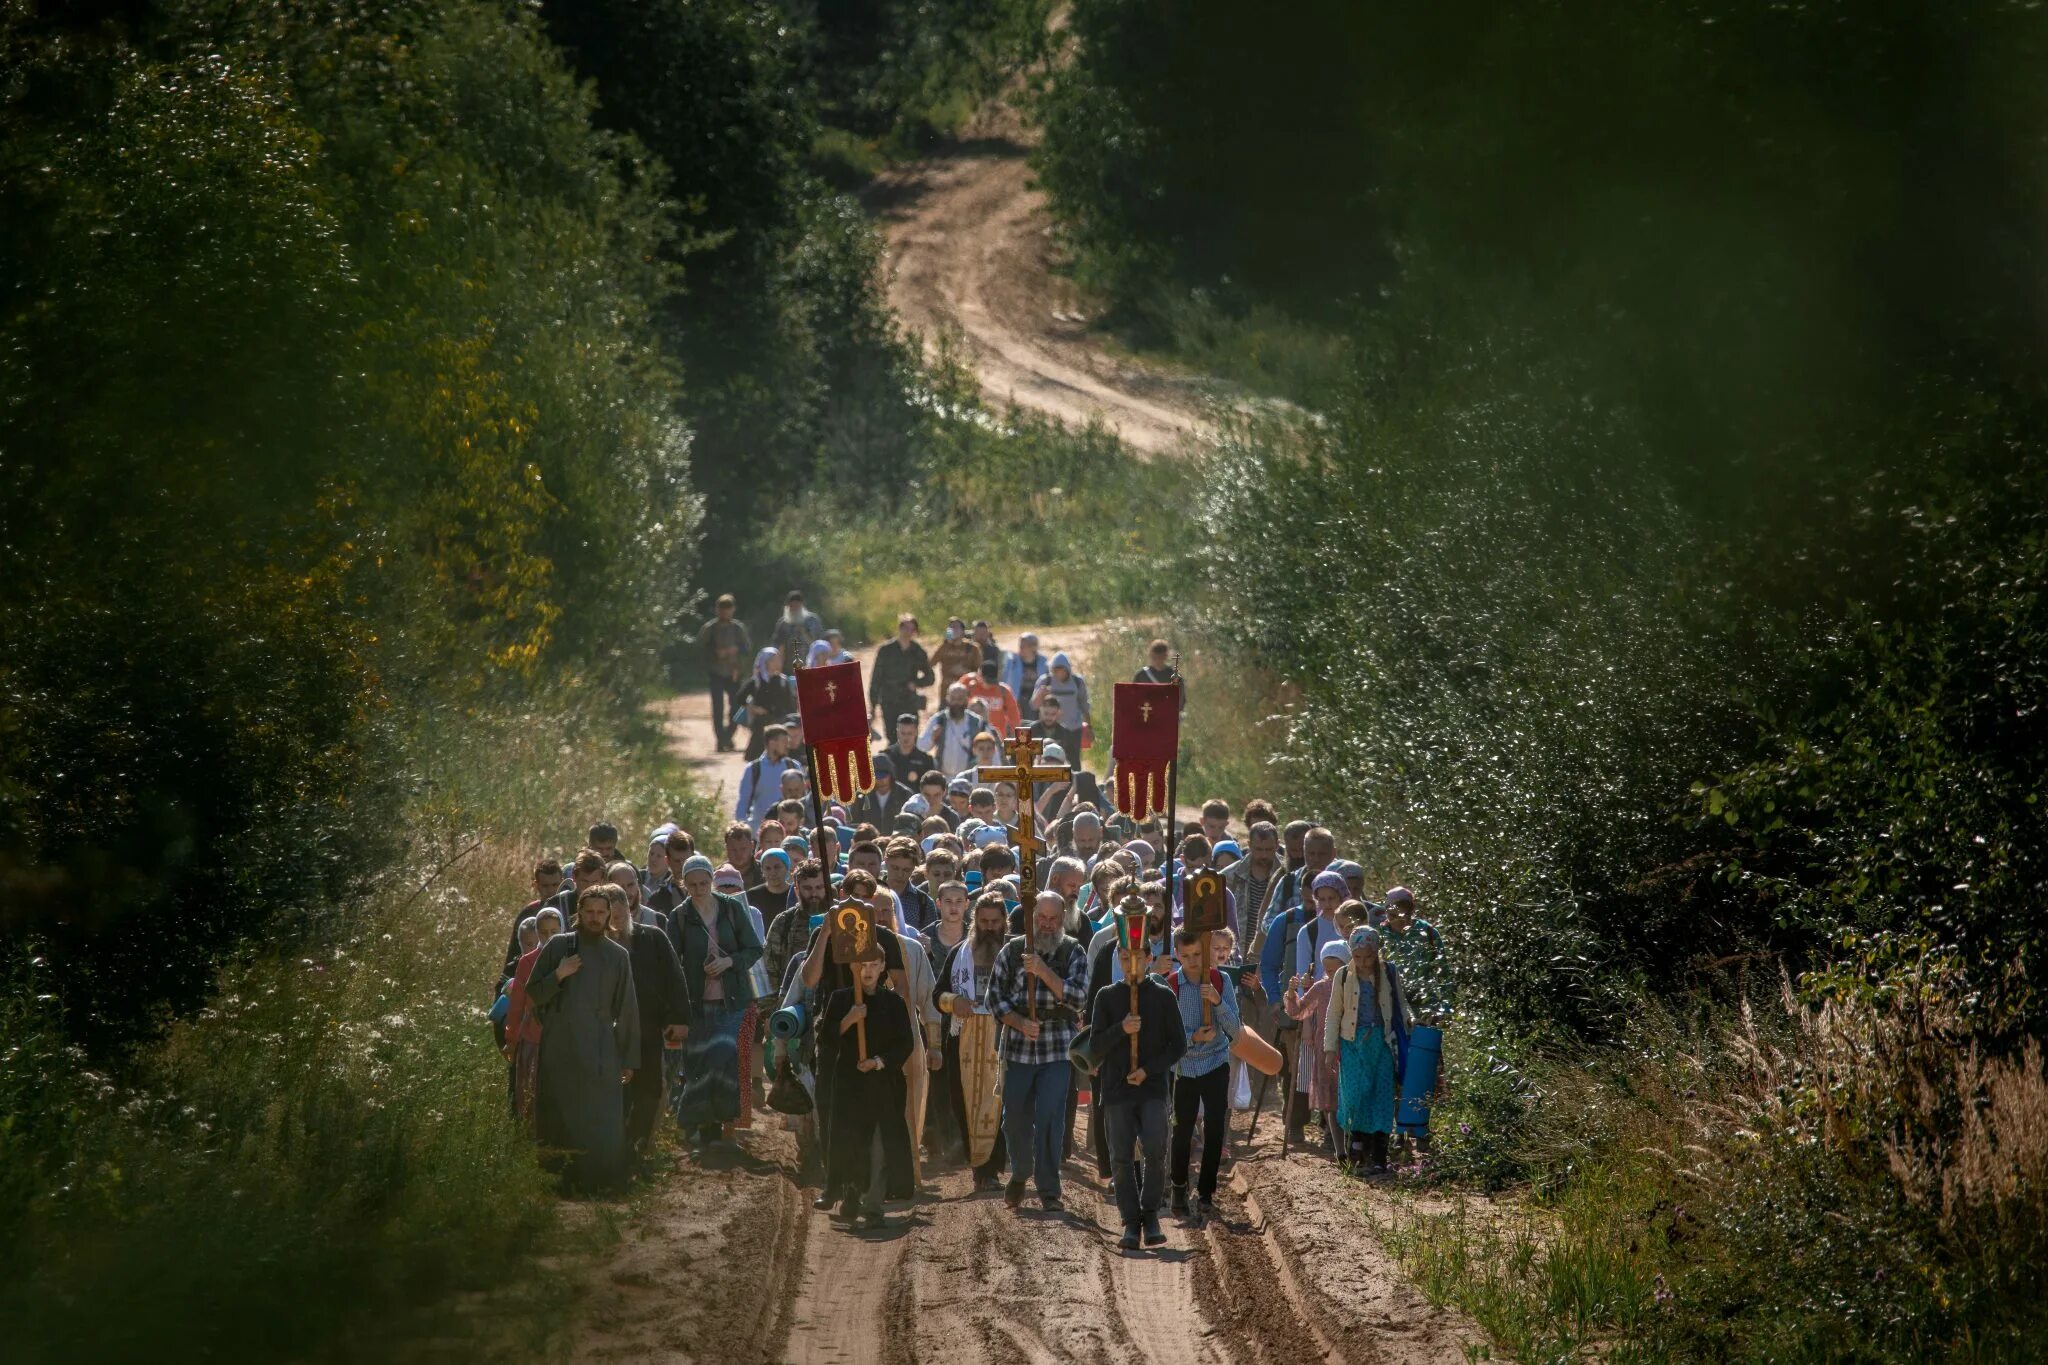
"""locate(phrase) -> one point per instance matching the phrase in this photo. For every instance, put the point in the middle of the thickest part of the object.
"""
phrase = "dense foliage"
(329, 397)
(1694, 432)
(1662, 594)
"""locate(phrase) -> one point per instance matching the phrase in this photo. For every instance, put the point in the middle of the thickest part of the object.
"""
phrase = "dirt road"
(969, 245)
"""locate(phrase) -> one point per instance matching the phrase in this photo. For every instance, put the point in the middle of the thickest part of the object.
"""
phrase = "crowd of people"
(970, 1012)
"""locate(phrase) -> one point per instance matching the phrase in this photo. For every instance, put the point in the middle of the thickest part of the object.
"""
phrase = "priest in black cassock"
(868, 1094)
(582, 985)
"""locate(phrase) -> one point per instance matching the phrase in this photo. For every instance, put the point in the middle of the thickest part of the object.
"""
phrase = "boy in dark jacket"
(1134, 1095)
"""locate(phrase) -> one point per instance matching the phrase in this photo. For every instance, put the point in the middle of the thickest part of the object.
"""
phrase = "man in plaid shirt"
(1048, 970)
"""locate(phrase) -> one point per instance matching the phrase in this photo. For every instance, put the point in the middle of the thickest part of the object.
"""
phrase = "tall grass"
(1770, 1180)
(1007, 516)
(319, 1164)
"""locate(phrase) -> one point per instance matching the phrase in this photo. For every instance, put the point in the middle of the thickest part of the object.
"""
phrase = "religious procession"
(942, 939)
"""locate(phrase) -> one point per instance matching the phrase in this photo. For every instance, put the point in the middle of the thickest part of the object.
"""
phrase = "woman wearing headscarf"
(716, 940)
(765, 699)
(1306, 1003)
(1365, 1028)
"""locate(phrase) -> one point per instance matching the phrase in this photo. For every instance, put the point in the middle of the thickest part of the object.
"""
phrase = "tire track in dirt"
(970, 250)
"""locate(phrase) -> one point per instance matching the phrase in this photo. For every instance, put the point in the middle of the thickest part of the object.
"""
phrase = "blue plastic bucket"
(1418, 1079)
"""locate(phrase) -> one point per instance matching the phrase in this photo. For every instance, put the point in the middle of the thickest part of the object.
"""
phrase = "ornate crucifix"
(1025, 748)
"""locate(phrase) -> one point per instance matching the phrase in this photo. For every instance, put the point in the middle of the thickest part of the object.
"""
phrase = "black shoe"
(825, 1201)
(873, 1218)
(1155, 1236)
(1129, 1241)
(1205, 1207)
(1013, 1194)
(1179, 1206)
(1052, 1203)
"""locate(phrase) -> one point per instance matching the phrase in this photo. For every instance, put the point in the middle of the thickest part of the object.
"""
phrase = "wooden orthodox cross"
(1025, 748)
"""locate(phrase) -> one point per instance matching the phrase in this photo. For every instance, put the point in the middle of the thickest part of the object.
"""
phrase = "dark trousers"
(725, 716)
(1211, 1094)
(1137, 1130)
(1034, 1102)
(643, 1106)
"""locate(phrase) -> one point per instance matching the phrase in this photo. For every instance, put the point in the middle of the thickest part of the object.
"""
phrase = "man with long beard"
(1036, 989)
(582, 985)
(972, 1066)
(791, 929)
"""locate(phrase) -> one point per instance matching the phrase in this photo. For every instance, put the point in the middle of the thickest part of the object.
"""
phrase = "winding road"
(970, 253)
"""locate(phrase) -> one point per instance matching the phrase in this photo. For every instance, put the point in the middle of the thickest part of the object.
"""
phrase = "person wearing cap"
(998, 703)
(727, 646)
(956, 654)
(909, 762)
(1365, 1030)
(879, 804)
(1413, 945)
(901, 667)
(796, 628)
(1308, 996)
(960, 799)
(1225, 855)
(1025, 669)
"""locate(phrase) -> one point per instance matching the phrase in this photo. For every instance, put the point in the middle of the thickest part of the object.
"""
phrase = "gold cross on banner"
(832, 691)
(1145, 712)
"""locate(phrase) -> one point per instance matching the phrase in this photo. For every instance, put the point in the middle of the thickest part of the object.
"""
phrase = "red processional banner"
(834, 710)
(1144, 744)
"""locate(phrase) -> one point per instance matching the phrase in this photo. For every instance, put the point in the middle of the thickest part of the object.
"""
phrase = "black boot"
(1180, 1201)
(1377, 1150)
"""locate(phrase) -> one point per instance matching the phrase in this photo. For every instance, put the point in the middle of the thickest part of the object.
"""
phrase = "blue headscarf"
(761, 659)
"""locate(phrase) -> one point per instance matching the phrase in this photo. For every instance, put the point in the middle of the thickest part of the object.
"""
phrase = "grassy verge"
(1235, 716)
(319, 1165)
(1006, 516)
(1767, 1181)
(1256, 347)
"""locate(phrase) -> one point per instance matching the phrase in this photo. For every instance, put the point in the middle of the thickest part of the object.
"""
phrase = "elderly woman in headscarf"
(1306, 1001)
(714, 936)
(1365, 1029)
(764, 699)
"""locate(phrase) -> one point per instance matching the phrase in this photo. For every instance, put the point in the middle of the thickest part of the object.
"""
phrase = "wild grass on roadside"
(319, 1164)
(1774, 1180)
(1009, 517)
(1235, 710)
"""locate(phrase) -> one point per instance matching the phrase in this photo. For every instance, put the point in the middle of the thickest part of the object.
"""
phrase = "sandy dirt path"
(970, 251)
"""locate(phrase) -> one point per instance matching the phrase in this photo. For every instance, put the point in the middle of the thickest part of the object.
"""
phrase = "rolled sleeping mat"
(790, 1021)
(1418, 1077)
(1255, 1052)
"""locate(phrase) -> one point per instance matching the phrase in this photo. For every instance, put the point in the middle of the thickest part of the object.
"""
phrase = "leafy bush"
(344, 399)
(320, 1161)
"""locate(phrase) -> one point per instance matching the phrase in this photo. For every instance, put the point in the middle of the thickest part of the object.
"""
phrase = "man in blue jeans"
(1045, 973)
